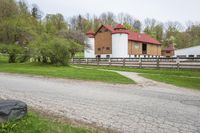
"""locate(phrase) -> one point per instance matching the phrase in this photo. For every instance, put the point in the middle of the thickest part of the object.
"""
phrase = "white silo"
(120, 42)
(89, 51)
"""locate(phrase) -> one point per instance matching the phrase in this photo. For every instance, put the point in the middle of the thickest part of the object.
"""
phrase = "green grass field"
(34, 123)
(62, 72)
(182, 78)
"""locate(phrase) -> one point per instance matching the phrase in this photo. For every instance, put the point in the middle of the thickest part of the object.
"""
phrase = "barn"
(118, 42)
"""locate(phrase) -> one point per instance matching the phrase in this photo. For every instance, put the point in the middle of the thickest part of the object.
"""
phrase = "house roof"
(132, 36)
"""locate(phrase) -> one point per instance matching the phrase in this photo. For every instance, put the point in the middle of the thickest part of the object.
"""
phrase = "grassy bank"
(182, 78)
(34, 123)
(62, 72)
(187, 82)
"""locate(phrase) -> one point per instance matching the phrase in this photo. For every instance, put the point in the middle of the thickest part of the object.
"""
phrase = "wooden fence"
(177, 63)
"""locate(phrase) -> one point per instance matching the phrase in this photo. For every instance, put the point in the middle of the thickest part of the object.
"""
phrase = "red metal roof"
(119, 26)
(90, 34)
(120, 32)
(144, 38)
(132, 36)
(169, 48)
(109, 27)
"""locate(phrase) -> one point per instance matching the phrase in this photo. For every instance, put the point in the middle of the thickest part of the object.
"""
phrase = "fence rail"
(175, 62)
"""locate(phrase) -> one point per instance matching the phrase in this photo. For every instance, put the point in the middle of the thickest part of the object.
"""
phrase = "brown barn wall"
(132, 50)
(171, 54)
(102, 41)
(154, 50)
(159, 50)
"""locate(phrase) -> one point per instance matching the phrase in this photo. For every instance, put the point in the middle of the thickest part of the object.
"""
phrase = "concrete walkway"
(148, 106)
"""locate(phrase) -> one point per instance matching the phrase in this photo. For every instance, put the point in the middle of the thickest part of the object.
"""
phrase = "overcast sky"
(162, 10)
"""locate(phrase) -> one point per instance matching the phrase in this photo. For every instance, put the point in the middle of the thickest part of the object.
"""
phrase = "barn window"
(107, 48)
(99, 49)
(168, 52)
(136, 45)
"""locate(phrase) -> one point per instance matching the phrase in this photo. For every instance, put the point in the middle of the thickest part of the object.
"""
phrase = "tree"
(8, 8)
(36, 13)
(76, 36)
(154, 29)
(54, 23)
(137, 25)
(23, 8)
(108, 18)
(194, 33)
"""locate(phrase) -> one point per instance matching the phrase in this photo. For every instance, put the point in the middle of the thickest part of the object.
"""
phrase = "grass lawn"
(183, 78)
(62, 72)
(34, 123)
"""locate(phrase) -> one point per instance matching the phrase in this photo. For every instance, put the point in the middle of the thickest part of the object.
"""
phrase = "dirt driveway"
(146, 107)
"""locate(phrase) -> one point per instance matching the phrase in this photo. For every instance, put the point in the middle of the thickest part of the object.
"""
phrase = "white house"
(188, 52)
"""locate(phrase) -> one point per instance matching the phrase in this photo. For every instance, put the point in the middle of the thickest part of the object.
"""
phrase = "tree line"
(25, 33)
(171, 32)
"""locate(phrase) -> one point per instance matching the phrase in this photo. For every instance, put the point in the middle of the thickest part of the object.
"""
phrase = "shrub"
(12, 50)
(58, 52)
(25, 55)
(51, 50)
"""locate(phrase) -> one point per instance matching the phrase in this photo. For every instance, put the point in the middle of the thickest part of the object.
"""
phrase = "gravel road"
(148, 106)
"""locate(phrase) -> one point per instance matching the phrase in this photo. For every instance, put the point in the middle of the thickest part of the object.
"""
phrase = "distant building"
(120, 43)
(169, 51)
(188, 52)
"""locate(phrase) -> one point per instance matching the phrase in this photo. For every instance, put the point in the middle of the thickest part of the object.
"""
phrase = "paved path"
(148, 106)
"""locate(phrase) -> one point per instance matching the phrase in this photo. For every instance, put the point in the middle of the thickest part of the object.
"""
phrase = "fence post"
(109, 61)
(178, 63)
(98, 61)
(79, 60)
(140, 63)
(87, 61)
(158, 63)
(124, 62)
(72, 60)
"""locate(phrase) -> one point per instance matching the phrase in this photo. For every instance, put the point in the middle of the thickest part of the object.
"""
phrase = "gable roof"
(132, 36)
(144, 38)
(108, 27)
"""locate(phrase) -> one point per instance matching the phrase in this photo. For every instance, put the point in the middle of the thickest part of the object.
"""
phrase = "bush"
(51, 50)
(13, 51)
(25, 55)
(58, 52)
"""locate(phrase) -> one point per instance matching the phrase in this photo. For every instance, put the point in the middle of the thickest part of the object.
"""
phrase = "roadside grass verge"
(187, 82)
(34, 123)
(182, 78)
(63, 72)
